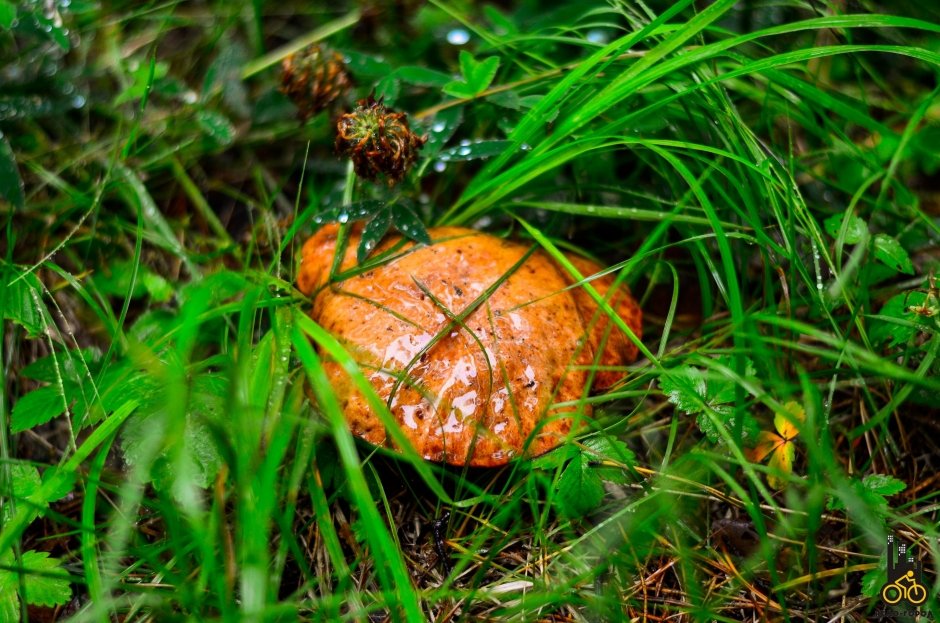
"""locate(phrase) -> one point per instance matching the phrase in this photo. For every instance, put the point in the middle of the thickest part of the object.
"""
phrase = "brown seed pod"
(378, 140)
(314, 79)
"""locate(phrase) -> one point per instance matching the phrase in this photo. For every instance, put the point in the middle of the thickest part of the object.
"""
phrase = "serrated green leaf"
(409, 224)
(603, 447)
(856, 229)
(557, 457)
(24, 481)
(580, 489)
(9, 603)
(37, 407)
(11, 184)
(216, 126)
(685, 387)
(372, 234)
(70, 365)
(725, 414)
(883, 484)
(721, 389)
(46, 582)
(889, 252)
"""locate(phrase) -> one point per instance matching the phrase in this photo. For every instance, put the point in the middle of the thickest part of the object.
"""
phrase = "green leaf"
(475, 151)
(200, 459)
(721, 389)
(873, 580)
(387, 89)
(883, 484)
(889, 252)
(603, 447)
(442, 129)
(46, 582)
(11, 184)
(373, 233)
(408, 223)
(142, 81)
(216, 127)
(70, 365)
(221, 286)
(21, 300)
(580, 489)
(9, 602)
(855, 231)
(725, 413)
(348, 213)
(873, 490)
(37, 407)
(7, 14)
(899, 306)
(360, 64)
(157, 287)
(477, 76)
(685, 387)
(24, 481)
(422, 76)
(115, 280)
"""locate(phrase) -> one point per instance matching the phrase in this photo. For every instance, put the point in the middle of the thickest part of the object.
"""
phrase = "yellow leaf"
(787, 423)
(781, 465)
(766, 443)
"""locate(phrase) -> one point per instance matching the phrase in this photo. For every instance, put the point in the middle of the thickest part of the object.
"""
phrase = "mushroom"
(476, 343)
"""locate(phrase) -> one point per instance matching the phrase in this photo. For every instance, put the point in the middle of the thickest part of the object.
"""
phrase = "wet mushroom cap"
(480, 390)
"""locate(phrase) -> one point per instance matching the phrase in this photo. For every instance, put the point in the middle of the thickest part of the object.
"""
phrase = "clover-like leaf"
(477, 76)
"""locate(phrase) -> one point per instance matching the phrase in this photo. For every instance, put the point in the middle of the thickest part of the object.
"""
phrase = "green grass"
(762, 175)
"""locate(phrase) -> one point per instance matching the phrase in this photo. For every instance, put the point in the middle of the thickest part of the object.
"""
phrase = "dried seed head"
(378, 140)
(313, 79)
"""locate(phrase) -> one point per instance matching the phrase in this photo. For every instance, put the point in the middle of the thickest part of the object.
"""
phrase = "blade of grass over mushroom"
(390, 566)
(340, 355)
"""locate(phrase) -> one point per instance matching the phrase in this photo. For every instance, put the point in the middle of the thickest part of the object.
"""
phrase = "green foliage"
(43, 582)
(33, 577)
(477, 75)
(702, 392)
(889, 252)
(872, 491)
(21, 300)
(761, 177)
